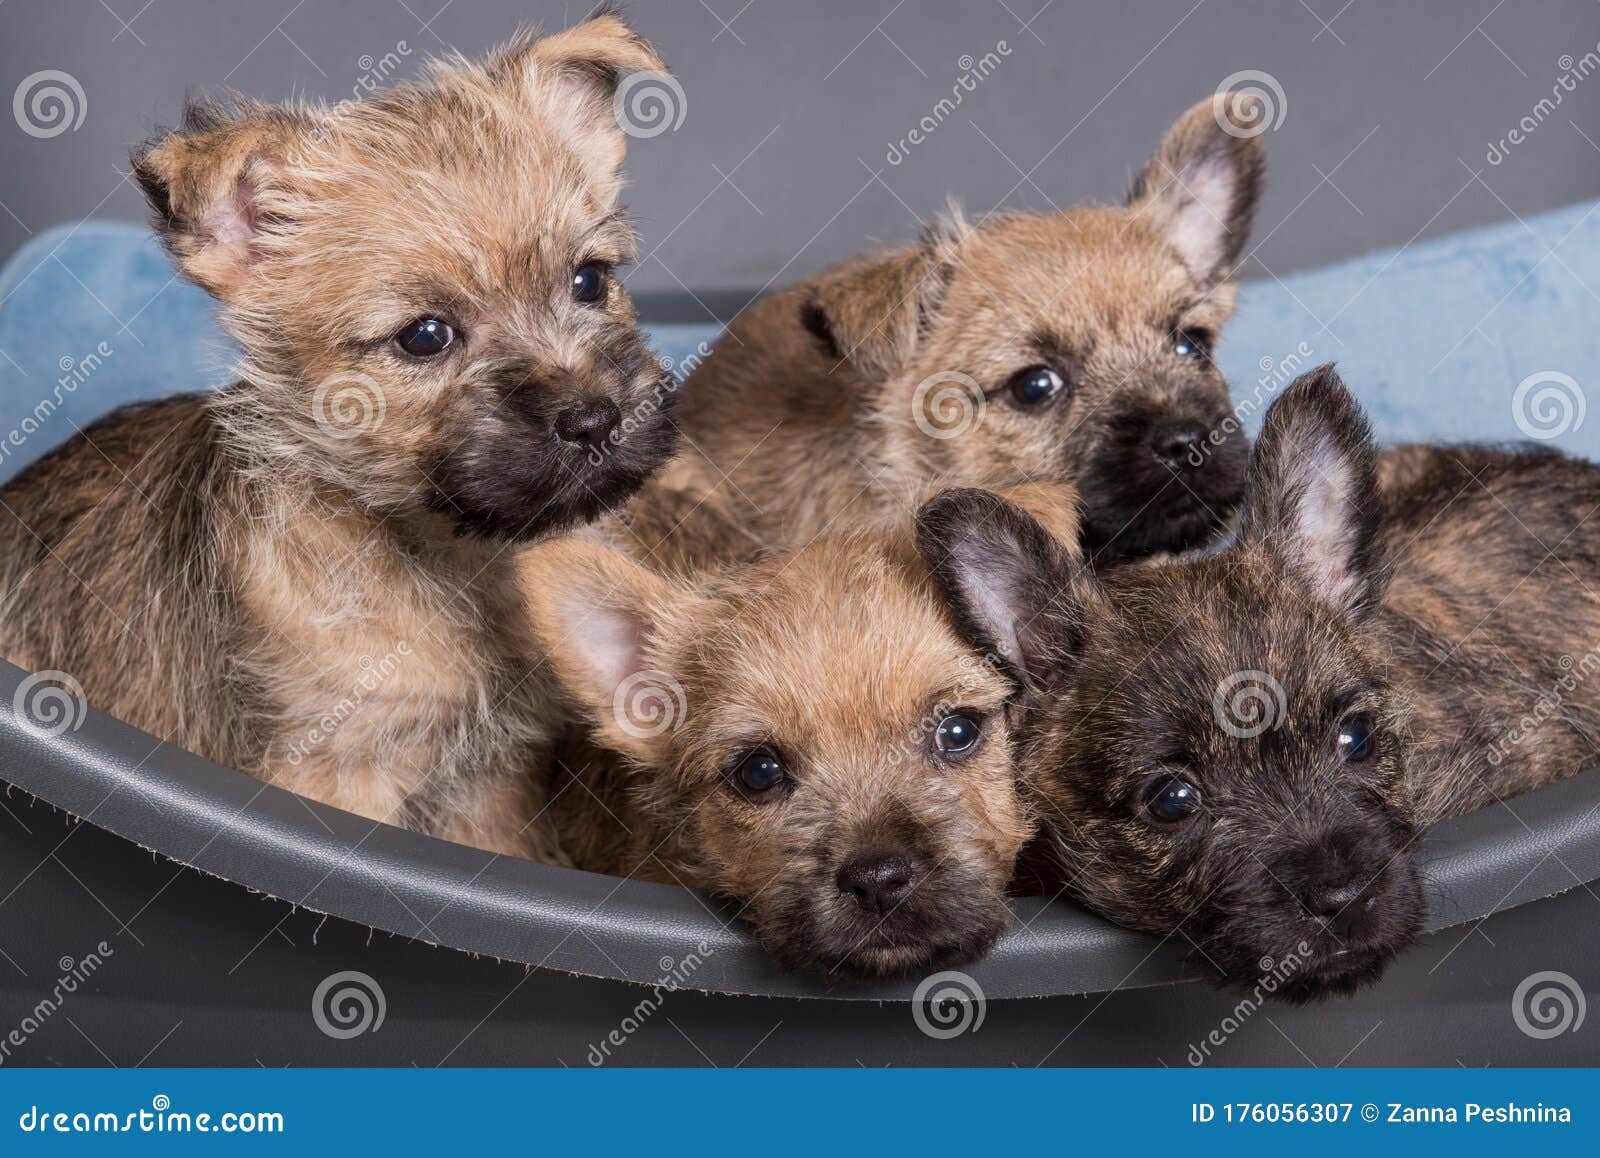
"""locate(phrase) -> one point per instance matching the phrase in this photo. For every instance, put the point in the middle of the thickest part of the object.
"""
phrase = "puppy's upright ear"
(573, 78)
(596, 616)
(1312, 493)
(872, 312)
(1201, 187)
(1014, 590)
(218, 186)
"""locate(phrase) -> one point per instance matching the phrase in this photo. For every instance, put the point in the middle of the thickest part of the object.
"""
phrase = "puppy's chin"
(1114, 533)
(518, 489)
(1134, 506)
(835, 940)
(1301, 967)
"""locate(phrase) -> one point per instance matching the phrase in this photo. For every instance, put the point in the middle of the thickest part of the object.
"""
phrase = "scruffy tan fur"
(307, 575)
(819, 400)
(839, 659)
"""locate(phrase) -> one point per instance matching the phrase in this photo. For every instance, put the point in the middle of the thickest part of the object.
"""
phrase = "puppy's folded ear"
(1312, 493)
(1014, 590)
(218, 186)
(1201, 187)
(871, 312)
(595, 615)
(572, 78)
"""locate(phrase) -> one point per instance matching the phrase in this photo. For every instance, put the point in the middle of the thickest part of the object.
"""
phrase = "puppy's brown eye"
(425, 337)
(1035, 387)
(1172, 800)
(1192, 344)
(759, 774)
(956, 733)
(589, 282)
(1356, 739)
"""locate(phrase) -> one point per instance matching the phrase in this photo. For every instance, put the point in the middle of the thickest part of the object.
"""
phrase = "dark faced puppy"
(1074, 346)
(805, 735)
(1215, 743)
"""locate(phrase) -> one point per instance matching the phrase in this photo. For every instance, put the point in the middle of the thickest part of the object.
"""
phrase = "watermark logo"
(1573, 72)
(348, 1004)
(648, 104)
(75, 974)
(50, 703)
(1248, 704)
(1274, 974)
(947, 404)
(948, 1004)
(49, 103)
(974, 71)
(1263, 114)
(1548, 1005)
(1547, 404)
(648, 703)
(348, 405)
(675, 974)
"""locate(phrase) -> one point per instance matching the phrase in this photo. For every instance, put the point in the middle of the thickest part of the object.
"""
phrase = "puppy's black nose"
(1179, 445)
(1344, 908)
(589, 422)
(878, 881)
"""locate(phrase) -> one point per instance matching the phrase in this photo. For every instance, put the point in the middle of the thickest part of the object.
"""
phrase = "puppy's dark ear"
(217, 186)
(1201, 187)
(1312, 493)
(1014, 590)
(573, 79)
(872, 312)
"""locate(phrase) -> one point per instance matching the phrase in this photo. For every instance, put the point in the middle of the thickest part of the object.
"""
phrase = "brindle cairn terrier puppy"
(1240, 747)
(805, 735)
(421, 284)
(1073, 346)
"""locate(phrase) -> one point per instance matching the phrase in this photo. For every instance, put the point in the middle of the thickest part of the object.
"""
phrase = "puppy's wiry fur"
(1362, 662)
(837, 660)
(307, 575)
(831, 403)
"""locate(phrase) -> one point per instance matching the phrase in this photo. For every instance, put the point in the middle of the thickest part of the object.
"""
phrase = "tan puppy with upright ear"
(307, 575)
(1073, 346)
(806, 735)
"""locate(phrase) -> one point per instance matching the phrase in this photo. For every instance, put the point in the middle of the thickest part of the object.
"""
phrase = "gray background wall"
(779, 165)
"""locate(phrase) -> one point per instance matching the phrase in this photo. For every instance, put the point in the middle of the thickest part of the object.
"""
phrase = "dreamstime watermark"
(973, 73)
(348, 404)
(1573, 72)
(74, 974)
(977, 672)
(1262, 114)
(1550, 704)
(949, 1004)
(373, 674)
(947, 404)
(48, 103)
(348, 1004)
(1274, 973)
(160, 1118)
(1248, 704)
(675, 372)
(648, 104)
(1547, 404)
(50, 703)
(375, 71)
(74, 372)
(648, 703)
(1275, 375)
(1549, 1004)
(674, 974)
